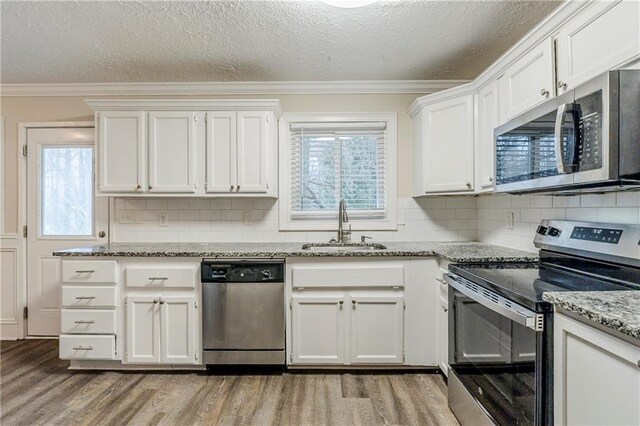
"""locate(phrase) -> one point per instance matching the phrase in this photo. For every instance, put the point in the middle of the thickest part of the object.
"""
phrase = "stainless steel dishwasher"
(243, 316)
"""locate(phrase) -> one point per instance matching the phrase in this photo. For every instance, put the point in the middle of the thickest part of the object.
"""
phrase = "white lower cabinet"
(350, 327)
(161, 329)
(596, 376)
(377, 328)
(318, 325)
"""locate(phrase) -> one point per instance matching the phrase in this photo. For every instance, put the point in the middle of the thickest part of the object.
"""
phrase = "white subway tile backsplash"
(457, 218)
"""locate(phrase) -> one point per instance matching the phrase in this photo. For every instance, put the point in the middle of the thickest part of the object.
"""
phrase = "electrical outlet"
(164, 219)
(247, 217)
(510, 220)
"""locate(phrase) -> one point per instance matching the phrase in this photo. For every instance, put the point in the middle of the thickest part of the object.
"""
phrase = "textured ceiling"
(107, 41)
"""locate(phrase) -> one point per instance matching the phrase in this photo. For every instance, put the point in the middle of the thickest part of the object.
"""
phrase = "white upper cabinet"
(171, 152)
(187, 147)
(241, 149)
(528, 81)
(121, 151)
(487, 119)
(443, 133)
(252, 151)
(602, 36)
(221, 151)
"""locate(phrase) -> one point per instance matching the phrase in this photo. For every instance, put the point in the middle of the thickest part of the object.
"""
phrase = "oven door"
(492, 353)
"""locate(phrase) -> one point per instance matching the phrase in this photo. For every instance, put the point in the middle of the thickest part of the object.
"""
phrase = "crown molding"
(549, 27)
(231, 88)
(186, 105)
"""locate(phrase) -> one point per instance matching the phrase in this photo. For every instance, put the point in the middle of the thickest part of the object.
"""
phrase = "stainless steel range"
(500, 329)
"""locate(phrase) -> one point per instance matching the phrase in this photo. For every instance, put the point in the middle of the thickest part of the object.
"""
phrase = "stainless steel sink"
(343, 247)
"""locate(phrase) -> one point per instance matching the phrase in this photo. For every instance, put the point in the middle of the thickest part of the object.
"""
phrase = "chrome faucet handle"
(364, 238)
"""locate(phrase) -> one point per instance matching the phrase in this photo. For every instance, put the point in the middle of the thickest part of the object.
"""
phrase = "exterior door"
(143, 329)
(252, 151)
(318, 329)
(62, 212)
(377, 329)
(171, 152)
(177, 329)
(221, 151)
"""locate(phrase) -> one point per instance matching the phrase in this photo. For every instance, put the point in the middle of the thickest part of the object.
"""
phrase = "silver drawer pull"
(158, 278)
(85, 272)
(82, 348)
(84, 322)
(85, 297)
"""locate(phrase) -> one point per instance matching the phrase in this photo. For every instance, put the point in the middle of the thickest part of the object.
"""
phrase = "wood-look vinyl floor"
(37, 388)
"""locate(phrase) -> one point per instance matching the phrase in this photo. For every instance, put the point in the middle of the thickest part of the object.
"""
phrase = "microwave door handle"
(520, 315)
(562, 109)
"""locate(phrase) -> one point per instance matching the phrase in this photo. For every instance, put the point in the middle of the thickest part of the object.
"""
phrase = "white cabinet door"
(596, 376)
(121, 151)
(528, 81)
(171, 152)
(318, 329)
(487, 120)
(143, 329)
(377, 328)
(221, 151)
(178, 330)
(603, 35)
(448, 145)
(252, 151)
(443, 334)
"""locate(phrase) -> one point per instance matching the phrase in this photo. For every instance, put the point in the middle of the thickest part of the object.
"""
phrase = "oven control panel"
(602, 235)
(605, 241)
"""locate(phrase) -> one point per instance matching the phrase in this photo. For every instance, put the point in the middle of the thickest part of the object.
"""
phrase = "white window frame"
(390, 220)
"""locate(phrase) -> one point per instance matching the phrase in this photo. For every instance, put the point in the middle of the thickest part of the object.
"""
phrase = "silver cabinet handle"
(544, 92)
(150, 187)
(85, 272)
(490, 178)
(82, 348)
(445, 309)
(232, 186)
(161, 302)
(158, 278)
(85, 297)
(155, 301)
(353, 302)
(468, 184)
(139, 187)
(562, 85)
(341, 302)
(238, 188)
(84, 322)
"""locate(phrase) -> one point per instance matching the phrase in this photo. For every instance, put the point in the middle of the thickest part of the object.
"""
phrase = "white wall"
(528, 210)
(212, 220)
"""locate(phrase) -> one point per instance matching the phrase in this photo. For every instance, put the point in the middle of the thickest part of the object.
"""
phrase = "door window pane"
(67, 191)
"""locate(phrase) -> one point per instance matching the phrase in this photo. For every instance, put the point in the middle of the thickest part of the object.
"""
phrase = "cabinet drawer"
(88, 296)
(348, 276)
(87, 347)
(178, 276)
(82, 271)
(88, 321)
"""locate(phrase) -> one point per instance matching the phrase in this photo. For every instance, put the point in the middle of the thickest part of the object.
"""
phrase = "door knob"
(155, 301)
(238, 188)
(102, 234)
(232, 187)
(544, 92)
(562, 85)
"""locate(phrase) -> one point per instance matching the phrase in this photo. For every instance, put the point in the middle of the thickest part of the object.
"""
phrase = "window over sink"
(325, 158)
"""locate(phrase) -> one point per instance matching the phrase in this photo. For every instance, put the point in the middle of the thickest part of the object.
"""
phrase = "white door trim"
(23, 127)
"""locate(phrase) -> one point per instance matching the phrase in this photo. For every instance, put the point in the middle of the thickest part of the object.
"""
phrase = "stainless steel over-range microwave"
(586, 140)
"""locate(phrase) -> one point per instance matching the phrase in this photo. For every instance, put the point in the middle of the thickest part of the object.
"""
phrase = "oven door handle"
(516, 313)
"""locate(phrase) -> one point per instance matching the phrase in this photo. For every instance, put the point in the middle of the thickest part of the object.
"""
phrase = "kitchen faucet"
(342, 218)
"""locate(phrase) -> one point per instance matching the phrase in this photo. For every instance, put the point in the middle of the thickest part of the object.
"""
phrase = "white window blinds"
(330, 161)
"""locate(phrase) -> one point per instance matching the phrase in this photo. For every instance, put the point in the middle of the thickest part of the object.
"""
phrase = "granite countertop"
(617, 310)
(454, 251)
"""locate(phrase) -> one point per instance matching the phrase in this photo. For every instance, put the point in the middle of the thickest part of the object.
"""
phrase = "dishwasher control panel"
(219, 270)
